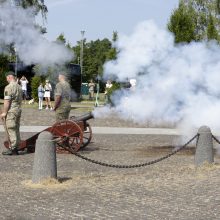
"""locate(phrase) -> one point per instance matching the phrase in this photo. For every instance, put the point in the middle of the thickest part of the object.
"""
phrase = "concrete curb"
(115, 130)
(110, 130)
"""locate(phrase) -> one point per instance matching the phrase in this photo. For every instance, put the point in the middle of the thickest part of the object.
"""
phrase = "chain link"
(131, 166)
(215, 138)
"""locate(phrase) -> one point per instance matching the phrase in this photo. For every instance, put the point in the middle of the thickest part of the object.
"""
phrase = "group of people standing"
(92, 85)
(44, 92)
(11, 111)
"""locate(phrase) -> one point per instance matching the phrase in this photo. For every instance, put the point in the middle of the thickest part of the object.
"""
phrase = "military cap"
(10, 73)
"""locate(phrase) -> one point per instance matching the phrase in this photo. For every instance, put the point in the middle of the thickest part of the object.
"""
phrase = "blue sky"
(99, 18)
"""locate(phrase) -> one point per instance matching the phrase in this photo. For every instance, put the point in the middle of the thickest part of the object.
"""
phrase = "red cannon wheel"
(87, 135)
(67, 135)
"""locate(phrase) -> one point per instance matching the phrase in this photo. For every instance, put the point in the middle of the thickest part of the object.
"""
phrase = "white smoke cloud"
(176, 84)
(17, 26)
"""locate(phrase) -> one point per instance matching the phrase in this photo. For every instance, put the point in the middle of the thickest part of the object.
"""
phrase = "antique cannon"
(70, 135)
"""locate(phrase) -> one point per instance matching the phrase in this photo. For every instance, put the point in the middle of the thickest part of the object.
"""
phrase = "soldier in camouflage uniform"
(62, 98)
(11, 113)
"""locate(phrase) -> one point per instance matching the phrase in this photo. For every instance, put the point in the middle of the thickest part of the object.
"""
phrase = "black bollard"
(45, 164)
(204, 148)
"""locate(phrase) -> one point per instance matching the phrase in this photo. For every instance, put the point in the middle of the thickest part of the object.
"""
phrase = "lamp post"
(81, 59)
(81, 52)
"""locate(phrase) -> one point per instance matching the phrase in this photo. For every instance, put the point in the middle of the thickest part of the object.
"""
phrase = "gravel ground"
(170, 189)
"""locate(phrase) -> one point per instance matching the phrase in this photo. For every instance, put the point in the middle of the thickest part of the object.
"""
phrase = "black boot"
(10, 152)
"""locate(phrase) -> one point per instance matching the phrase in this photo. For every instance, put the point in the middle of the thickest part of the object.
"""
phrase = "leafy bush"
(3, 70)
(115, 86)
(35, 82)
(109, 92)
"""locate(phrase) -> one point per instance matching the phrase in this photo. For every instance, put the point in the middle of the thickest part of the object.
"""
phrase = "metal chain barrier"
(215, 138)
(136, 165)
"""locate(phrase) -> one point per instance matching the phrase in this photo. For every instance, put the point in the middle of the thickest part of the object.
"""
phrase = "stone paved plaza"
(170, 189)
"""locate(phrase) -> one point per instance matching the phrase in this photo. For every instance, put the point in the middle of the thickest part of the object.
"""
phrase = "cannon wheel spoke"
(55, 131)
(70, 134)
(75, 141)
(87, 135)
(73, 131)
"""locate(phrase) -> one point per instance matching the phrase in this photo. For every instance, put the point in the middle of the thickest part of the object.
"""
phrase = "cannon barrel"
(84, 117)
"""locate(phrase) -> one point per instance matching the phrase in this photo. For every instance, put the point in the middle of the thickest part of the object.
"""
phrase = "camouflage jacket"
(63, 89)
(13, 92)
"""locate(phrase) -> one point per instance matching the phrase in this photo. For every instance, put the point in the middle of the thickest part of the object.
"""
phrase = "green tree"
(218, 6)
(39, 5)
(35, 82)
(112, 53)
(76, 51)
(212, 33)
(61, 38)
(115, 36)
(205, 18)
(94, 56)
(182, 23)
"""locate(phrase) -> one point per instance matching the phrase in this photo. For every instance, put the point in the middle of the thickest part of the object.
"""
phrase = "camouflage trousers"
(13, 128)
(62, 113)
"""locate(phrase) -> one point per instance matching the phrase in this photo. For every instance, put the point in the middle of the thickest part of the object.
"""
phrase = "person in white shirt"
(133, 83)
(23, 81)
(47, 91)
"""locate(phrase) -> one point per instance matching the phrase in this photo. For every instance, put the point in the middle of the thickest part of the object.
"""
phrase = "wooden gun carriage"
(70, 135)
